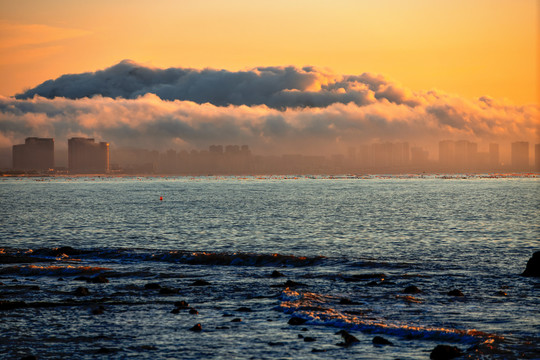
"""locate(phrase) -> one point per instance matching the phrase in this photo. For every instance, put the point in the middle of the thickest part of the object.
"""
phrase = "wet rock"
(276, 274)
(236, 320)
(196, 328)
(82, 278)
(60, 279)
(379, 340)
(200, 283)
(533, 266)
(227, 315)
(175, 311)
(193, 311)
(455, 292)
(296, 321)
(98, 279)
(181, 304)
(152, 286)
(168, 291)
(412, 290)
(29, 357)
(304, 329)
(271, 343)
(300, 336)
(501, 293)
(9, 305)
(68, 250)
(82, 291)
(445, 352)
(309, 339)
(243, 309)
(348, 339)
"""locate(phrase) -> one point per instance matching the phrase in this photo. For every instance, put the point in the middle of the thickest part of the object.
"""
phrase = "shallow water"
(352, 245)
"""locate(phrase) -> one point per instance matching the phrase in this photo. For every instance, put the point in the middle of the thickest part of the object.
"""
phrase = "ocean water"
(250, 254)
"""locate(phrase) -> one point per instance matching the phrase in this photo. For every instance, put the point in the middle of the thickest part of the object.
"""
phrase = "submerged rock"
(152, 286)
(98, 310)
(379, 340)
(193, 311)
(98, 279)
(289, 284)
(455, 292)
(309, 339)
(236, 320)
(296, 321)
(196, 328)
(82, 291)
(29, 357)
(533, 266)
(445, 352)
(181, 304)
(168, 291)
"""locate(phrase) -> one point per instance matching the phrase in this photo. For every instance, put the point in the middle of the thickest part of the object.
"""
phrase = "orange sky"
(472, 47)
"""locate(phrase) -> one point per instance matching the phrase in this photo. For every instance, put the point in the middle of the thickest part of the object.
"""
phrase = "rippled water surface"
(346, 249)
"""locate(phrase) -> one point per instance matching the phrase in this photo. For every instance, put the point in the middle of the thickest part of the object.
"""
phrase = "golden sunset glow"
(471, 48)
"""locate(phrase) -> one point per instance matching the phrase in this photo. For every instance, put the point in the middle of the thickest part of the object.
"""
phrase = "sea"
(268, 267)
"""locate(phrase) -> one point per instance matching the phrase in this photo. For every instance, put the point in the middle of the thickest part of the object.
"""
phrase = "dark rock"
(348, 339)
(533, 266)
(412, 290)
(317, 350)
(345, 301)
(243, 309)
(152, 286)
(68, 250)
(236, 320)
(29, 357)
(445, 352)
(60, 279)
(105, 350)
(227, 315)
(289, 283)
(271, 343)
(82, 291)
(276, 274)
(98, 310)
(200, 283)
(304, 329)
(501, 293)
(175, 311)
(309, 339)
(98, 279)
(82, 278)
(455, 292)
(168, 291)
(193, 311)
(297, 321)
(379, 340)
(148, 347)
(181, 304)
(196, 328)
(300, 336)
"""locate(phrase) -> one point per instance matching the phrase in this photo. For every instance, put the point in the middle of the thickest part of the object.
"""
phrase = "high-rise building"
(494, 155)
(87, 156)
(447, 154)
(34, 154)
(520, 155)
(537, 157)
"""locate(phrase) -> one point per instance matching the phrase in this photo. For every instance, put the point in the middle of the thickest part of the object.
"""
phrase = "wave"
(51, 270)
(182, 257)
(317, 309)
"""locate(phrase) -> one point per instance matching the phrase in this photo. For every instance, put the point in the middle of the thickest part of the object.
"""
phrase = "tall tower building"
(520, 155)
(494, 155)
(447, 154)
(87, 156)
(537, 157)
(34, 154)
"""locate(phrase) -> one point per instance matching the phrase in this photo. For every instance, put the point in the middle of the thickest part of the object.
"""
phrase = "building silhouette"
(520, 155)
(537, 157)
(87, 156)
(35, 154)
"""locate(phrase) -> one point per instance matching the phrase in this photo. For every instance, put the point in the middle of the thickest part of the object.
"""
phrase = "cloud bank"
(272, 109)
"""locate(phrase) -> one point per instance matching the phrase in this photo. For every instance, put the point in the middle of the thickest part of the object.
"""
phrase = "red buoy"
(161, 198)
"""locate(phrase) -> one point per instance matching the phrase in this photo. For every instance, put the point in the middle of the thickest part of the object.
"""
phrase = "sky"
(450, 69)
